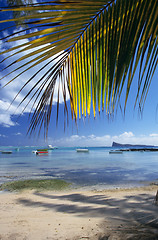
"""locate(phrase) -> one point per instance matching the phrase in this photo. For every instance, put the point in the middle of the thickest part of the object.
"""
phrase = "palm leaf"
(103, 43)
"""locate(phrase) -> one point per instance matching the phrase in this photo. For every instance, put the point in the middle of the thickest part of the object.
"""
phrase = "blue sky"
(89, 132)
(133, 128)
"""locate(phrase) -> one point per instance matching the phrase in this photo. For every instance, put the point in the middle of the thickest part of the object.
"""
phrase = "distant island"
(131, 147)
(114, 144)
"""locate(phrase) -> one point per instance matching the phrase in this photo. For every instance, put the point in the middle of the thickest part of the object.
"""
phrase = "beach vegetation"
(36, 184)
(88, 49)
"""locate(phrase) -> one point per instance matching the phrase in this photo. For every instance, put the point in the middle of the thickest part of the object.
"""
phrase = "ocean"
(96, 169)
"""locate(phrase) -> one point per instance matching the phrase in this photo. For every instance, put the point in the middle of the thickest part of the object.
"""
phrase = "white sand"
(73, 215)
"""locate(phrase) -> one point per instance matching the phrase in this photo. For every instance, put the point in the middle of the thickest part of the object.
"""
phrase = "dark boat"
(6, 152)
(115, 152)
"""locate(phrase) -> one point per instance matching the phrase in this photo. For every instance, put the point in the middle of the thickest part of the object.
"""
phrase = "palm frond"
(101, 44)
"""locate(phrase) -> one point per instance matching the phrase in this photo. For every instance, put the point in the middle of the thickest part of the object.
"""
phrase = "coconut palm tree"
(93, 48)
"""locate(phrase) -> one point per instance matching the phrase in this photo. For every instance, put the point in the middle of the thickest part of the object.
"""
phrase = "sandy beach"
(79, 214)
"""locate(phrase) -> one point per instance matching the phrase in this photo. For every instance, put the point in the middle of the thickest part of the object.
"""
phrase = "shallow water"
(96, 169)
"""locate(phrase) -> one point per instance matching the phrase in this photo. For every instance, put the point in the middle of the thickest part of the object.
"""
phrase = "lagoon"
(96, 169)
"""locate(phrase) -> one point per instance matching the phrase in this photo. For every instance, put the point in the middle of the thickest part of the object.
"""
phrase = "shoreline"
(149, 186)
(75, 214)
(95, 187)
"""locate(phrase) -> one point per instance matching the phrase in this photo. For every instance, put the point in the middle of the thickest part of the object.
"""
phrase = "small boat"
(82, 150)
(50, 147)
(115, 152)
(41, 152)
(34, 151)
(6, 152)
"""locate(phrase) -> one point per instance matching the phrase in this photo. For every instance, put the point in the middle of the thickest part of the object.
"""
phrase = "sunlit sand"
(79, 214)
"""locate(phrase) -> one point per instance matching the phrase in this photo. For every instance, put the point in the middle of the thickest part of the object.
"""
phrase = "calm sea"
(95, 169)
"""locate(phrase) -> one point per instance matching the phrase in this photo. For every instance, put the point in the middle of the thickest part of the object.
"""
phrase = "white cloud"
(154, 135)
(126, 135)
(6, 111)
(2, 135)
(18, 134)
(106, 140)
(5, 120)
(8, 93)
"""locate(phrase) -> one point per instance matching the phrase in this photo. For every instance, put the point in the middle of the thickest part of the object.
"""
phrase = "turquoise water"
(97, 168)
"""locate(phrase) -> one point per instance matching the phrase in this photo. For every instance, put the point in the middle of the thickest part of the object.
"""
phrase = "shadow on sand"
(133, 217)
